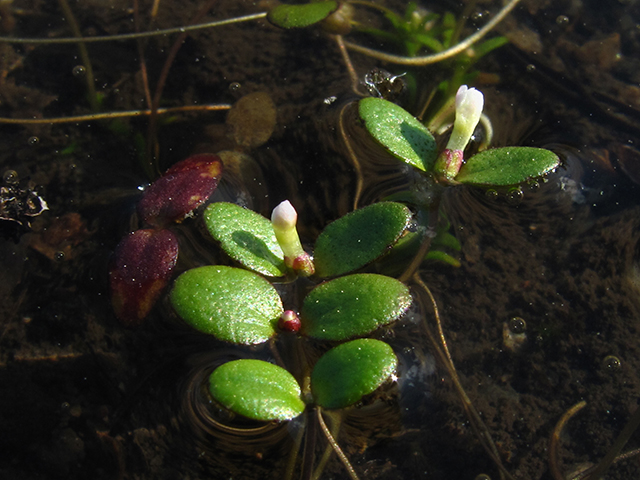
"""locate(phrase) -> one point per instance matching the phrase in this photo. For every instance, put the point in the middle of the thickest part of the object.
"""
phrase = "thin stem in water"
(554, 441)
(134, 36)
(440, 56)
(111, 115)
(335, 446)
(442, 351)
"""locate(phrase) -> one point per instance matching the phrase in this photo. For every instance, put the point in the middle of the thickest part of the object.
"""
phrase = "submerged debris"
(19, 201)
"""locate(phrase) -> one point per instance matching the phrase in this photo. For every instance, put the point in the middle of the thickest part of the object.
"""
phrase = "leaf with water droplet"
(247, 237)
(359, 238)
(256, 389)
(229, 303)
(507, 166)
(350, 371)
(300, 16)
(399, 132)
(353, 306)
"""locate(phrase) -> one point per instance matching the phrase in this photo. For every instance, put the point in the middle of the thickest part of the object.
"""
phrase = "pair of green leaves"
(407, 139)
(263, 391)
(238, 306)
(344, 246)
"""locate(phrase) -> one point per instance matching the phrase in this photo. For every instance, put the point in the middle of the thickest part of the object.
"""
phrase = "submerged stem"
(354, 158)
(133, 36)
(84, 54)
(335, 446)
(609, 458)
(442, 350)
(554, 441)
(110, 115)
(440, 56)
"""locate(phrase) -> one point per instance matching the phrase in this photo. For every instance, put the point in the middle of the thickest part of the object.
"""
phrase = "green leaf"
(507, 166)
(300, 16)
(247, 237)
(399, 132)
(229, 303)
(359, 238)
(349, 371)
(443, 257)
(257, 390)
(353, 306)
(487, 46)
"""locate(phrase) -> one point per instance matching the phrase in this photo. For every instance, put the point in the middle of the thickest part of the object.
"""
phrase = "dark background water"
(81, 396)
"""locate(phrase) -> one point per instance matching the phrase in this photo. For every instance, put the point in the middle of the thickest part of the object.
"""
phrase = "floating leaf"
(359, 238)
(349, 371)
(300, 16)
(399, 132)
(142, 265)
(507, 166)
(184, 187)
(252, 119)
(352, 306)
(229, 303)
(257, 390)
(247, 237)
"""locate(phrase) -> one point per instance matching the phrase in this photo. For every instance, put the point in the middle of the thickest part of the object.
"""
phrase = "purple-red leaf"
(183, 188)
(141, 268)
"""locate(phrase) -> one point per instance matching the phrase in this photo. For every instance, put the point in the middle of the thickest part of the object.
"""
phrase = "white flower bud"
(469, 104)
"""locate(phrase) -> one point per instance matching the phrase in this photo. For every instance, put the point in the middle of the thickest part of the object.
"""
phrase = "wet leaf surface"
(142, 266)
(256, 389)
(300, 16)
(359, 238)
(183, 188)
(353, 306)
(247, 237)
(507, 166)
(399, 132)
(229, 303)
(350, 371)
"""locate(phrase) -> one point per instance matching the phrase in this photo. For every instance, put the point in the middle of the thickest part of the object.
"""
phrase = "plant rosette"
(407, 139)
(239, 305)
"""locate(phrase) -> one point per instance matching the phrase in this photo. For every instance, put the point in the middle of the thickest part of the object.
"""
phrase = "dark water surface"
(81, 396)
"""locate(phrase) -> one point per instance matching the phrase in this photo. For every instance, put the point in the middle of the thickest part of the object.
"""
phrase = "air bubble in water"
(79, 71)
(10, 177)
(611, 362)
(491, 194)
(514, 196)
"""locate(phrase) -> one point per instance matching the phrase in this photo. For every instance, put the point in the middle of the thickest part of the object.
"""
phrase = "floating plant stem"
(444, 355)
(440, 56)
(354, 159)
(554, 441)
(335, 446)
(111, 115)
(134, 36)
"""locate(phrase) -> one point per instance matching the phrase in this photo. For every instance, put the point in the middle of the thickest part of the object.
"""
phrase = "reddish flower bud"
(289, 322)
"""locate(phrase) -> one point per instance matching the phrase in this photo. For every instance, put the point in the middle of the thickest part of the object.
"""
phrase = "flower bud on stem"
(284, 219)
(469, 104)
